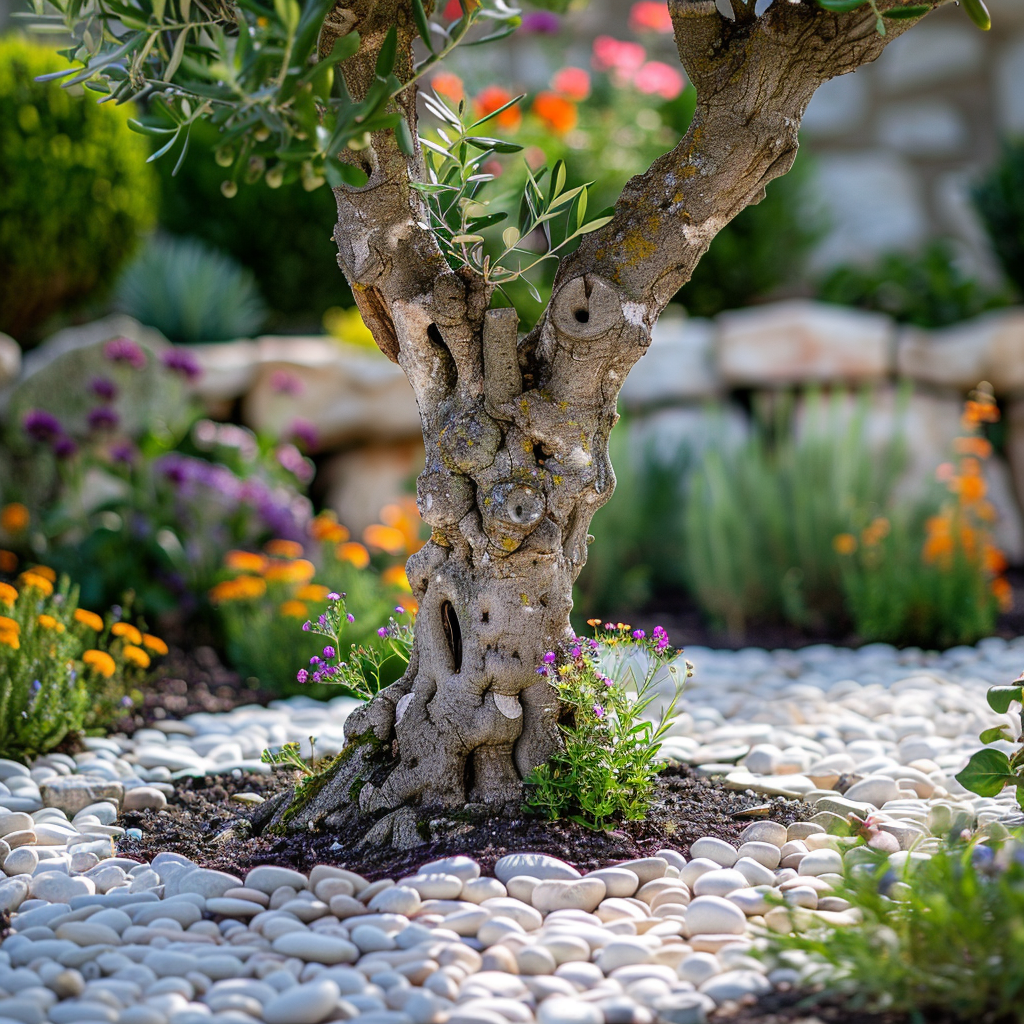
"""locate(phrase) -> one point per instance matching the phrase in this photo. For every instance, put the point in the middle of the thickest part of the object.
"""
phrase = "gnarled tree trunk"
(516, 429)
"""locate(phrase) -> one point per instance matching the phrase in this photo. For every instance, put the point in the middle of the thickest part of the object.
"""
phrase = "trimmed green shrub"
(1000, 200)
(190, 292)
(75, 191)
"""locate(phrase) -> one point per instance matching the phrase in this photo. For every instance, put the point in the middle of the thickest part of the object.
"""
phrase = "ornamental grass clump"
(63, 669)
(606, 771)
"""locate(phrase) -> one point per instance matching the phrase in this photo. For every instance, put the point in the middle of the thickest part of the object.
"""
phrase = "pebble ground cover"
(674, 937)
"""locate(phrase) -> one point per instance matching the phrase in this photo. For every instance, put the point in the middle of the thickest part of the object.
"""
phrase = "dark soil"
(202, 823)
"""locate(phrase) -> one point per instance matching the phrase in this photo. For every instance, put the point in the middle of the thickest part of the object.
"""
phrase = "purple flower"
(41, 425)
(350, 617)
(314, 660)
(322, 620)
(541, 23)
(180, 360)
(594, 645)
(284, 383)
(290, 458)
(303, 433)
(317, 677)
(332, 596)
(329, 652)
(306, 627)
(399, 609)
(103, 418)
(124, 350)
(382, 632)
(550, 658)
(598, 711)
(302, 675)
(104, 389)
(639, 634)
(64, 448)
(542, 670)
(576, 652)
(123, 451)
(127, 702)
(36, 685)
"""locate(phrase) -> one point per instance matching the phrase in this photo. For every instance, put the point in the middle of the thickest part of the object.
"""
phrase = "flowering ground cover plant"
(63, 668)
(129, 489)
(609, 762)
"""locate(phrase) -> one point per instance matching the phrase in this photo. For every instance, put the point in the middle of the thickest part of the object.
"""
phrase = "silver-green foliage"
(191, 292)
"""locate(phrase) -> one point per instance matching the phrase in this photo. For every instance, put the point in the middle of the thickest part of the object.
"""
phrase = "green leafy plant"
(990, 771)
(974, 9)
(190, 292)
(75, 192)
(607, 769)
(999, 198)
(925, 289)
(943, 944)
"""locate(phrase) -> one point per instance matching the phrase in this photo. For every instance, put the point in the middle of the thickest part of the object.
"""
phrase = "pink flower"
(284, 383)
(124, 350)
(573, 83)
(550, 658)
(598, 711)
(658, 79)
(616, 55)
(650, 16)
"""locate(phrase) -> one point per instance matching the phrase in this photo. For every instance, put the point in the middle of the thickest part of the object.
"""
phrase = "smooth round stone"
(435, 886)
(527, 917)
(567, 948)
(13, 892)
(646, 869)
(720, 883)
(536, 960)
(55, 887)
(144, 798)
(396, 899)
(765, 832)
(370, 939)
(821, 862)
(650, 892)
(618, 882)
(461, 867)
(227, 907)
(697, 867)
(165, 963)
(734, 985)
(85, 860)
(14, 821)
(767, 854)
(622, 952)
(497, 929)
(875, 789)
(343, 907)
(23, 837)
(800, 830)
(555, 894)
(717, 850)
(715, 915)
(21, 861)
(203, 882)
(88, 933)
(754, 872)
(752, 901)
(698, 968)
(476, 890)
(467, 922)
(310, 1003)
(104, 812)
(535, 865)
(315, 947)
(521, 887)
(268, 878)
(557, 1010)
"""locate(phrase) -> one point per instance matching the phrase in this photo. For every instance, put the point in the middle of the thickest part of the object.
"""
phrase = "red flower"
(493, 97)
(573, 83)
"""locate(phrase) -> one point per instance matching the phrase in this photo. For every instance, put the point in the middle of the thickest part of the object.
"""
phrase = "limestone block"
(10, 359)
(229, 369)
(990, 347)
(801, 342)
(923, 128)
(661, 436)
(359, 483)
(930, 55)
(679, 366)
(838, 107)
(345, 392)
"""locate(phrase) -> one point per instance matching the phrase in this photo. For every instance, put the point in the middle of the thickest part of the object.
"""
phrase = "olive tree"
(516, 426)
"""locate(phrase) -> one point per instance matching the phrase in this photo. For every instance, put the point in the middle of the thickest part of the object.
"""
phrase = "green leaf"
(978, 13)
(480, 223)
(999, 732)
(510, 236)
(148, 129)
(338, 174)
(1000, 697)
(494, 113)
(467, 239)
(841, 6)
(422, 24)
(594, 225)
(581, 208)
(987, 772)
(906, 13)
(164, 148)
(176, 54)
(404, 138)
(498, 145)
(388, 52)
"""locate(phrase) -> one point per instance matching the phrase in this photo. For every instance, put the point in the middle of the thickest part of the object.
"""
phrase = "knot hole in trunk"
(452, 633)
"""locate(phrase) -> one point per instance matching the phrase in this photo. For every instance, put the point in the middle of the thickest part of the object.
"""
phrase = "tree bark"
(516, 430)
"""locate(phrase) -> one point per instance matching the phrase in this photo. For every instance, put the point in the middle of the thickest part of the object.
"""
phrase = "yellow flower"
(8, 595)
(294, 610)
(387, 538)
(34, 581)
(90, 619)
(352, 551)
(242, 588)
(299, 571)
(136, 655)
(128, 631)
(326, 528)
(10, 640)
(14, 517)
(312, 592)
(394, 576)
(9, 625)
(283, 548)
(245, 561)
(844, 544)
(49, 622)
(43, 570)
(100, 662)
(154, 643)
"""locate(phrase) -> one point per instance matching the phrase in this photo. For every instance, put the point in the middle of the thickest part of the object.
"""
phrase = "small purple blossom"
(594, 645)
(124, 350)
(541, 23)
(575, 652)
(315, 660)
(41, 425)
(104, 389)
(322, 620)
(127, 702)
(382, 632)
(306, 627)
(550, 658)
(399, 609)
(122, 451)
(598, 711)
(317, 677)
(302, 675)
(303, 433)
(639, 634)
(180, 360)
(542, 670)
(284, 383)
(64, 448)
(332, 596)
(103, 418)
(36, 685)
(350, 617)
(290, 458)
(329, 651)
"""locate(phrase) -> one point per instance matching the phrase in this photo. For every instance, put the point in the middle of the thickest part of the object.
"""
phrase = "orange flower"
(312, 592)
(394, 576)
(283, 548)
(245, 561)
(993, 560)
(572, 83)
(493, 97)
(976, 446)
(128, 631)
(299, 571)
(353, 552)
(844, 544)
(14, 517)
(36, 582)
(1003, 593)
(90, 619)
(969, 541)
(448, 86)
(43, 570)
(971, 488)
(8, 595)
(410, 604)
(9, 625)
(294, 610)
(938, 545)
(9, 639)
(49, 622)
(154, 643)
(241, 588)
(875, 532)
(136, 655)
(405, 516)
(557, 113)
(8, 561)
(100, 662)
(326, 528)
(981, 410)
(593, 622)
(386, 538)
